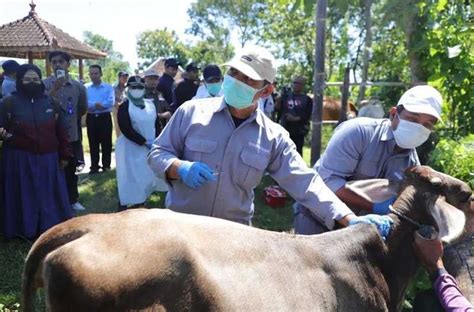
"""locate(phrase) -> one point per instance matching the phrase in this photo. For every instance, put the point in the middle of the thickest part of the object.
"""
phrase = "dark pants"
(79, 151)
(70, 173)
(299, 142)
(99, 131)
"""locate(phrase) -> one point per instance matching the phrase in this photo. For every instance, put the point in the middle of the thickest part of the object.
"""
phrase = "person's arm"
(163, 108)
(125, 125)
(91, 99)
(109, 99)
(5, 104)
(449, 294)
(82, 101)
(288, 168)
(168, 147)
(64, 148)
(340, 160)
(308, 110)
(429, 253)
(176, 98)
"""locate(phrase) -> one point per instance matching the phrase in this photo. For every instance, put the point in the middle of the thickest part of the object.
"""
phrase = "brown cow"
(160, 260)
(332, 109)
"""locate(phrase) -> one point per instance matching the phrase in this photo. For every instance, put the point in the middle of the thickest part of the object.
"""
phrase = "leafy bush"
(456, 158)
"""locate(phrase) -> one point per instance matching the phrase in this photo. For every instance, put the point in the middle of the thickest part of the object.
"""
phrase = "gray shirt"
(363, 148)
(8, 86)
(73, 101)
(203, 130)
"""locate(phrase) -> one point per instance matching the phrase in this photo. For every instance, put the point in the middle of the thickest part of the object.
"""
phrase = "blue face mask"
(214, 88)
(237, 94)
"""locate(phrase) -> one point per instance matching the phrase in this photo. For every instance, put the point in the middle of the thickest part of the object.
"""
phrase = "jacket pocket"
(196, 147)
(253, 167)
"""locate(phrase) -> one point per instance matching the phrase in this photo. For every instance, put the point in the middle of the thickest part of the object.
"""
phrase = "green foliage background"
(456, 158)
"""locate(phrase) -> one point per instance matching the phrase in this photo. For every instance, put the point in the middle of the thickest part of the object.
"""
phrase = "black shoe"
(94, 171)
(105, 169)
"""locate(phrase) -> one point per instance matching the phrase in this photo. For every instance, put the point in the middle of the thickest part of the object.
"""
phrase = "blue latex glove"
(195, 174)
(383, 223)
(383, 208)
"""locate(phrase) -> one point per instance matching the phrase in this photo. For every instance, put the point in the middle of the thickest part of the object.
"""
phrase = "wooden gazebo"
(32, 38)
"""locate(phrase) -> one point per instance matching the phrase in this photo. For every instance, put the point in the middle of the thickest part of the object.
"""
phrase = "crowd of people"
(207, 143)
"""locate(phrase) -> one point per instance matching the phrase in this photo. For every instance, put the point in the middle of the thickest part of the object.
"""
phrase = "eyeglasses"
(28, 80)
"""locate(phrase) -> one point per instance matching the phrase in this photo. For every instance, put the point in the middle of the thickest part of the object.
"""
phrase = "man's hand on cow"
(383, 208)
(195, 174)
(383, 223)
(429, 252)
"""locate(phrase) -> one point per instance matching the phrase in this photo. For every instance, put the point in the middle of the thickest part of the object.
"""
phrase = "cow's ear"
(450, 220)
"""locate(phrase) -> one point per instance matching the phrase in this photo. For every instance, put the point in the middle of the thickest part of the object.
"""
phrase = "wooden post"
(367, 47)
(81, 70)
(30, 57)
(47, 65)
(321, 12)
(345, 95)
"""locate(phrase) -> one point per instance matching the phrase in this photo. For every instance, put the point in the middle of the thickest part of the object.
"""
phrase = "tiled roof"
(32, 34)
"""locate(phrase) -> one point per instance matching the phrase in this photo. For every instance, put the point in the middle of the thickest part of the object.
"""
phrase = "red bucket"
(274, 196)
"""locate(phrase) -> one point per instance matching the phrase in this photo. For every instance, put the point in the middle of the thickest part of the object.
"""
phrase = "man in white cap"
(214, 152)
(366, 148)
(163, 108)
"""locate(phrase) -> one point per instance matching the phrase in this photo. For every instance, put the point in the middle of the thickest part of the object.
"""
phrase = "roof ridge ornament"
(32, 6)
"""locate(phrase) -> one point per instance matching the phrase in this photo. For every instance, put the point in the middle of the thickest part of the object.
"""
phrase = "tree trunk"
(367, 48)
(321, 12)
(345, 95)
(418, 74)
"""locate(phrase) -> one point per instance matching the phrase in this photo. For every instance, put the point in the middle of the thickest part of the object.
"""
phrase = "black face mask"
(32, 89)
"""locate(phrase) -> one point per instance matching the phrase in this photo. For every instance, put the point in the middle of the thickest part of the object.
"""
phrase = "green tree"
(210, 51)
(216, 18)
(112, 64)
(432, 30)
(153, 44)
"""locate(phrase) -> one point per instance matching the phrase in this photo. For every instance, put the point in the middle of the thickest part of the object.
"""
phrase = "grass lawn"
(98, 193)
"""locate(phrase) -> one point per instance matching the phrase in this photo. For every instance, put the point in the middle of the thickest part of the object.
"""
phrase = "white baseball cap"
(255, 62)
(422, 99)
(151, 72)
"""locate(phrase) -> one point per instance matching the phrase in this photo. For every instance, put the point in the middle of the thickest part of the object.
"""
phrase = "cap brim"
(421, 109)
(212, 78)
(245, 69)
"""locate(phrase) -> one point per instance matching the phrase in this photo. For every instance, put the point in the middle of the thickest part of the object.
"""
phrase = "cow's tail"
(32, 273)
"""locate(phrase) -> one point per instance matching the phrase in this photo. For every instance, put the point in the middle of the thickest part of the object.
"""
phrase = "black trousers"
(70, 173)
(99, 131)
(299, 142)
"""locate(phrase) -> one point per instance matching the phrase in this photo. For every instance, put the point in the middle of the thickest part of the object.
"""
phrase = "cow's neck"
(401, 263)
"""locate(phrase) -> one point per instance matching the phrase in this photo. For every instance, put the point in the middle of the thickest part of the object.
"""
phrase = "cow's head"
(447, 201)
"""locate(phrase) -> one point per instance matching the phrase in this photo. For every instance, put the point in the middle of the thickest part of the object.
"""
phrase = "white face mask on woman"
(136, 93)
(410, 134)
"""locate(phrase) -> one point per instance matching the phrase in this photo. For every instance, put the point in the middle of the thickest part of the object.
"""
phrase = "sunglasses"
(140, 87)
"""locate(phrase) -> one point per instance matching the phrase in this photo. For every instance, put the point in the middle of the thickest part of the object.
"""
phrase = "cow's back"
(140, 258)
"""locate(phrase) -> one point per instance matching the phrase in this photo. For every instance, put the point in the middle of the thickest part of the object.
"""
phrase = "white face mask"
(410, 134)
(137, 93)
